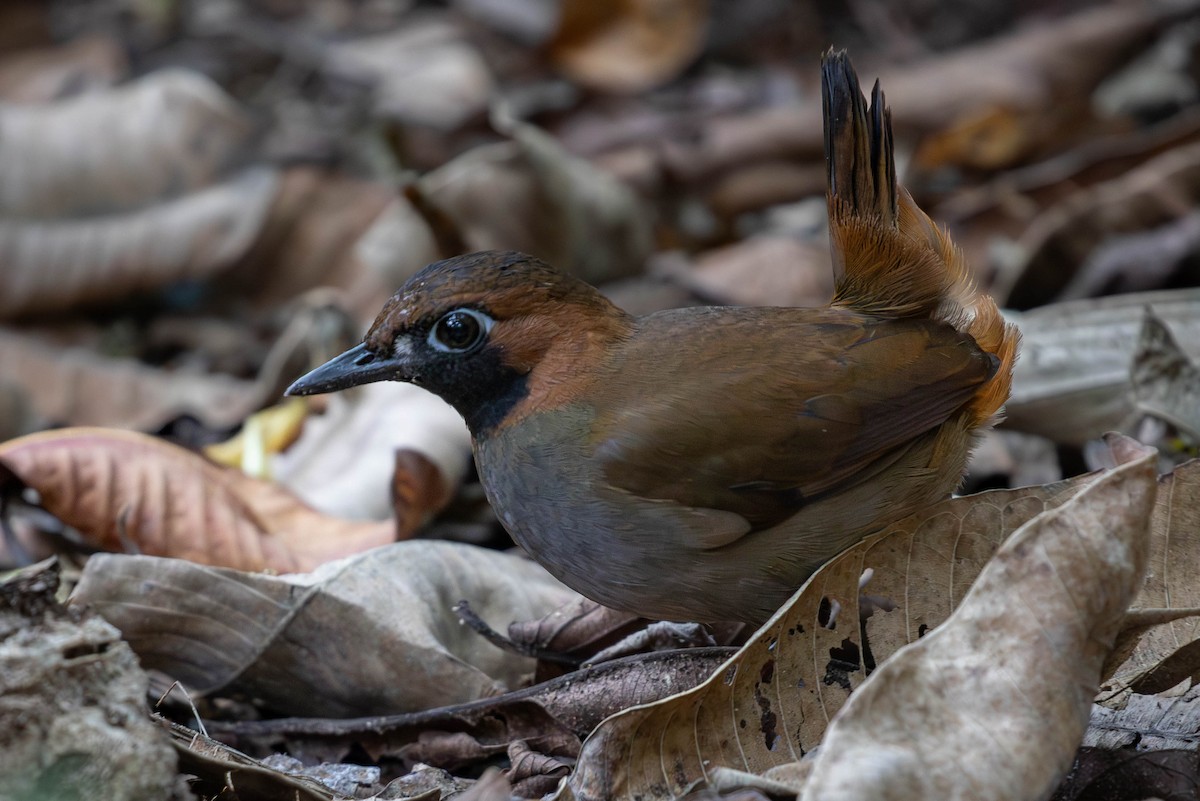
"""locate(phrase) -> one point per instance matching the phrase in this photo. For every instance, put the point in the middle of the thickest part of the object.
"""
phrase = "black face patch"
(478, 384)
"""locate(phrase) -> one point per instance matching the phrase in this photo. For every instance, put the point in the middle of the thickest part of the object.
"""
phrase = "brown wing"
(766, 409)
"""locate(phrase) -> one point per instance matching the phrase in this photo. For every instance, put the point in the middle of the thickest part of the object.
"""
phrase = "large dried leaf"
(1071, 383)
(1001, 693)
(1152, 665)
(1166, 383)
(52, 266)
(371, 634)
(425, 73)
(130, 492)
(628, 45)
(107, 152)
(531, 195)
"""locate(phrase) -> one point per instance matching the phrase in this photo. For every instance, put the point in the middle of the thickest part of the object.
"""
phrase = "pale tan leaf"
(1166, 383)
(762, 271)
(1170, 584)
(994, 704)
(371, 634)
(343, 462)
(426, 73)
(106, 152)
(628, 45)
(1071, 383)
(130, 492)
(57, 265)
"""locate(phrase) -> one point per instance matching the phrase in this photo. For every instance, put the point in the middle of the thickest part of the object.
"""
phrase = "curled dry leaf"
(130, 492)
(531, 195)
(344, 463)
(995, 702)
(425, 73)
(215, 766)
(106, 152)
(1166, 653)
(53, 266)
(1071, 383)
(1166, 383)
(628, 45)
(328, 643)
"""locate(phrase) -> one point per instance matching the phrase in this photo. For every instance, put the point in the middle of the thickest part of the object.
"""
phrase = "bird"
(698, 464)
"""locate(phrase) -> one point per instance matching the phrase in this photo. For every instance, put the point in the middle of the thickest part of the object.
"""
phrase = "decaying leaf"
(1166, 383)
(628, 45)
(529, 194)
(1166, 653)
(749, 273)
(57, 265)
(371, 634)
(994, 703)
(1071, 383)
(130, 492)
(114, 151)
(423, 74)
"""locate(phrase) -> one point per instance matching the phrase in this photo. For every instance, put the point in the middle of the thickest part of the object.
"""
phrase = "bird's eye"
(460, 330)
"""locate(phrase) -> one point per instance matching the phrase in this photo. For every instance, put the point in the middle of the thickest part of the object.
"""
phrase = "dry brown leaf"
(995, 702)
(529, 194)
(45, 74)
(425, 73)
(1044, 69)
(106, 152)
(130, 492)
(328, 643)
(344, 462)
(628, 45)
(771, 703)
(79, 386)
(53, 266)
(1071, 383)
(762, 271)
(220, 766)
(324, 230)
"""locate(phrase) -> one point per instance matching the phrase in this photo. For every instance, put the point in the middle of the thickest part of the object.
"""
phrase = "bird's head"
(496, 334)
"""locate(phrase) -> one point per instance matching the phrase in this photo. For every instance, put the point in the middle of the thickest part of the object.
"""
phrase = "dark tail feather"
(861, 167)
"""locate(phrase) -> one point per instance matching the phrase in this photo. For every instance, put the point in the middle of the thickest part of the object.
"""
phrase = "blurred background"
(202, 200)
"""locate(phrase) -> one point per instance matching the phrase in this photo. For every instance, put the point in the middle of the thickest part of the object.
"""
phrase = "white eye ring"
(460, 330)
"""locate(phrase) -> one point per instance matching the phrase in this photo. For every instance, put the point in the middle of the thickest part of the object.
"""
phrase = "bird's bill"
(355, 367)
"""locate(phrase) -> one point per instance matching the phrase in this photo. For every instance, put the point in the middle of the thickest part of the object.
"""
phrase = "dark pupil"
(458, 330)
